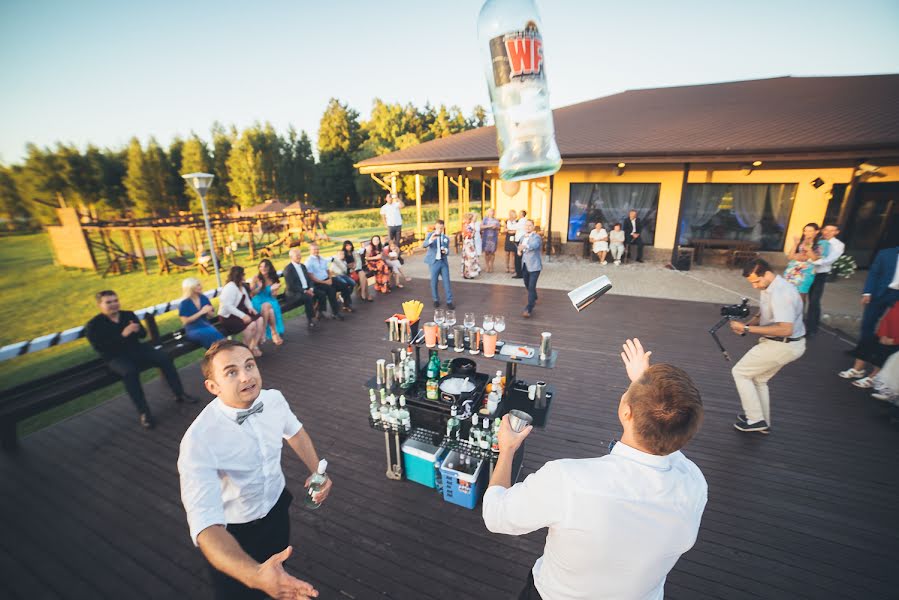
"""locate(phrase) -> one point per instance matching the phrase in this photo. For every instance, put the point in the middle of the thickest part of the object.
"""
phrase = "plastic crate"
(460, 488)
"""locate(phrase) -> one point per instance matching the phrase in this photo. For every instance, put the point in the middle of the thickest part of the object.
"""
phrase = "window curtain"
(749, 204)
(781, 196)
(579, 203)
(610, 203)
(700, 205)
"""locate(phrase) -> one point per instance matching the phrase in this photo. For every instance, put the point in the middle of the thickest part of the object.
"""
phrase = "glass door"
(873, 223)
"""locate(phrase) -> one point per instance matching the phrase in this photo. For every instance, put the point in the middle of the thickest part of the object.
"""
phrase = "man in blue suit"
(529, 249)
(437, 260)
(881, 290)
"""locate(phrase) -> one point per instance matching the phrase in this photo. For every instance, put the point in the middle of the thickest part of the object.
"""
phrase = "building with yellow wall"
(750, 161)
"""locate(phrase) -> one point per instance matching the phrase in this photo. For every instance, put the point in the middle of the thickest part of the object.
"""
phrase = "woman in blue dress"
(265, 285)
(800, 270)
(195, 311)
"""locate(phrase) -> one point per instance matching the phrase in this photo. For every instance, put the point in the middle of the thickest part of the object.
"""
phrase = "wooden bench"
(34, 397)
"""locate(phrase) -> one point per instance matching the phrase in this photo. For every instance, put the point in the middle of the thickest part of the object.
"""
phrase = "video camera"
(729, 312)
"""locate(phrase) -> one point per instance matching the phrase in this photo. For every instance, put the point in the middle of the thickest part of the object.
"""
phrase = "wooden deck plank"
(805, 512)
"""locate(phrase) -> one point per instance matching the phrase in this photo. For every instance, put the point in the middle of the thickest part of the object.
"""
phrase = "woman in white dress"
(600, 238)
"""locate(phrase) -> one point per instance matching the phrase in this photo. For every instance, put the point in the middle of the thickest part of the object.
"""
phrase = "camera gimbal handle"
(714, 333)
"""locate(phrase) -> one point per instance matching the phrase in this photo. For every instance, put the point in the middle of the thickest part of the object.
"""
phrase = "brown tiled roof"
(781, 115)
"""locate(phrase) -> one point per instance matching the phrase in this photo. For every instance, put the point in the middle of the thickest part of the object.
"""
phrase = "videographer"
(779, 323)
(617, 523)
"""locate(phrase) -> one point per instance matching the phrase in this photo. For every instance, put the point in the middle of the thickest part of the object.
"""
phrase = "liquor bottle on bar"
(403, 416)
(394, 411)
(373, 407)
(385, 411)
(432, 389)
(452, 425)
(494, 439)
(498, 384)
(433, 371)
(485, 435)
(474, 434)
(410, 375)
(401, 369)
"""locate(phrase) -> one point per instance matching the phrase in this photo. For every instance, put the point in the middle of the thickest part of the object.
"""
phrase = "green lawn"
(40, 297)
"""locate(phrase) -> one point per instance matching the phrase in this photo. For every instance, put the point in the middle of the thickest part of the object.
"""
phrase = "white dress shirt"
(299, 269)
(392, 214)
(232, 473)
(781, 303)
(634, 226)
(895, 283)
(834, 251)
(230, 298)
(617, 523)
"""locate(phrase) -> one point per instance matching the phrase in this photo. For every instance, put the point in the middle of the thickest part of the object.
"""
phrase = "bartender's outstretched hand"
(636, 361)
(278, 583)
(509, 440)
(320, 496)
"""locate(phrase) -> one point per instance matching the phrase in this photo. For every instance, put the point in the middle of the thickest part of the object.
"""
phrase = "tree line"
(250, 166)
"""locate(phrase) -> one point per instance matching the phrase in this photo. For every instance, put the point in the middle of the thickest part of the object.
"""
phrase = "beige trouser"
(754, 370)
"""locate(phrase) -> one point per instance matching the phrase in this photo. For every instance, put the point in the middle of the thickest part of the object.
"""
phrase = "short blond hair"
(189, 284)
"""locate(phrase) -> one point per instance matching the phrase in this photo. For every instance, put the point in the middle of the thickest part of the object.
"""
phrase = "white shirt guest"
(232, 485)
(618, 523)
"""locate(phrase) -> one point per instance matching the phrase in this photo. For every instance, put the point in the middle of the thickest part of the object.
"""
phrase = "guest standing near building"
(781, 341)
(490, 238)
(510, 245)
(115, 334)
(617, 523)
(881, 291)
(519, 233)
(392, 217)
(633, 235)
(436, 257)
(471, 266)
(529, 250)
(823, 265)
(232, 485)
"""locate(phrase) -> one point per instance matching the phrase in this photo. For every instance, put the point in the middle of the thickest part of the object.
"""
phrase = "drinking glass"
(499, 323)
(450, 317)
(439, 316)
(488, 322)
(469, 321)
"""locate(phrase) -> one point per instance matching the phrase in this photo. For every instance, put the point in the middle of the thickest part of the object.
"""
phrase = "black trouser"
(630, 248)
(517, 265)
(330, 292)
(308, 301)
(815, 293)
(395, 232)
(128, 367)
(530, 590)
(260, 539)
(530, 282)
(345, 290)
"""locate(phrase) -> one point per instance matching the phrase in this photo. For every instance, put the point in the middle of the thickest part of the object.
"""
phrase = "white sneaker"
(851, 374)
(617, 262)
(864, 382)
(605, 262)
(885, 394)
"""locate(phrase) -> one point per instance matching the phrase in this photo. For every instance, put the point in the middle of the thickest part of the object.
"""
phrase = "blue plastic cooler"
(418, 458)
(462, 488)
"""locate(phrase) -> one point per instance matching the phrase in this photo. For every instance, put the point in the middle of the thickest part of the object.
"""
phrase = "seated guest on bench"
(356, 267)
(394, 259)
(317, 267)
(340, 270)
(617, 523)
(375, 265)
(300, 287)
(264, 287)
(115, 335)
(195, 311)
(237, 312)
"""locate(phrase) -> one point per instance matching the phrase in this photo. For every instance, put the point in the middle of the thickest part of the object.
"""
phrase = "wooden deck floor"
(90, 507)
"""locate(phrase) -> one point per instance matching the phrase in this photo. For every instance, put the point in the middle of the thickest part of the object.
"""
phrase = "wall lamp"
(817, 182)
(619, 168)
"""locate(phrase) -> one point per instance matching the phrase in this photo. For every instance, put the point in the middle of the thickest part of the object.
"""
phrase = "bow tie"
(243, 415)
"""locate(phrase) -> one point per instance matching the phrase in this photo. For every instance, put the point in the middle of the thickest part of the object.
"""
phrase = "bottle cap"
(322, 466)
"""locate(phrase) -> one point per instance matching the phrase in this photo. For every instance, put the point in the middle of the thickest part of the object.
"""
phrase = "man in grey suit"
(437, 244)
(529, 249)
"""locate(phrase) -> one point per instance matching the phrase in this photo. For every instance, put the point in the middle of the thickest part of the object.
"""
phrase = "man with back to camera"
(779, 323)
(232, 484)
(617, 523)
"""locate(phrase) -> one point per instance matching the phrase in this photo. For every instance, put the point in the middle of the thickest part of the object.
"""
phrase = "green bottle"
(433, 371)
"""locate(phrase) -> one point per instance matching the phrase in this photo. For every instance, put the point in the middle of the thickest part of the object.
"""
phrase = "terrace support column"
(680, 207)
(418, 229)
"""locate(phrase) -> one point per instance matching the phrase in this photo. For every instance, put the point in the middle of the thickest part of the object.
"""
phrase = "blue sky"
(102, 71)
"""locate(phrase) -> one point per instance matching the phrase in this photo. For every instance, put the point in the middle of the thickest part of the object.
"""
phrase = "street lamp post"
(201, 183)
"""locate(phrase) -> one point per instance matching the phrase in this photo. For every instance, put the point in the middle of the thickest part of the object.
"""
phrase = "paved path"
(721, 285)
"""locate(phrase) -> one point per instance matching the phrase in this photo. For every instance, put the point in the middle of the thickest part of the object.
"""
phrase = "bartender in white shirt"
(232, 485)
(617, 523)
(823, 265)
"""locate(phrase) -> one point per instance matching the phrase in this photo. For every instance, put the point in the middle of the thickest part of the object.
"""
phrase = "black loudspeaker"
(684, 259)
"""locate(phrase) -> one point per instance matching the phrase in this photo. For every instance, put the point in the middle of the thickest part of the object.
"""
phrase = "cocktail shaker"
(442, 336)
(546, 345)
(459, 335)
(390, 380)
(381, 371)
(474, 339)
